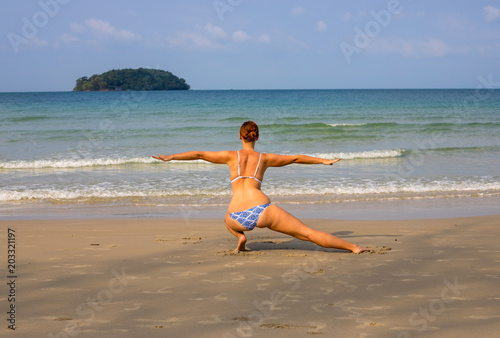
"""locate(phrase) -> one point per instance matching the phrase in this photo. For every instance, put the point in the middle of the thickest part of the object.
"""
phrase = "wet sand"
(154, 277)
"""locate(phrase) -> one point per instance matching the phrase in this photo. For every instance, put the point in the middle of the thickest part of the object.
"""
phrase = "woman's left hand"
(164, 158)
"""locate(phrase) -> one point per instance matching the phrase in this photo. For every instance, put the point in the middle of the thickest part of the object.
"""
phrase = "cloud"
(264, 38)
(210, 37)
(68, 38)
(215, 32)
(347, 16)
(77, 28)
(454, 23)
(490, 50)
(298, 11)
(104, 29)
(240, 36)
(35, 43)
(321, 26)
(193, 40)
(295, 44)
(431, 47)
(206, 37)
(491, 13)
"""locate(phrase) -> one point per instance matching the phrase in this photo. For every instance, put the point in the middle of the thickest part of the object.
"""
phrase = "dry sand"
(180, 278)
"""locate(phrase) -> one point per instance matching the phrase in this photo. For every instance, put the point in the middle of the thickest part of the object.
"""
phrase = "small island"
(131, 79)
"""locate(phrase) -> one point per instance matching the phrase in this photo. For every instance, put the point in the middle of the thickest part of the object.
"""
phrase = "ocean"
(60, 151)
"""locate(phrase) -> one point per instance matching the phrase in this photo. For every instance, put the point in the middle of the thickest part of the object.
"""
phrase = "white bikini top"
(239, 176)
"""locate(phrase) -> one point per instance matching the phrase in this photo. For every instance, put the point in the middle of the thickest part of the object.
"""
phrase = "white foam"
(346, 124)
(94, 162)
(73, 163)
(93, 193)
(352, 190)
(46, 164)
(395, 187)
(371, 154)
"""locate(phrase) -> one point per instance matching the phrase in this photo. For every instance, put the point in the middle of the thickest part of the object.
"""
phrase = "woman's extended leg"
(242, 239)
(280, 220)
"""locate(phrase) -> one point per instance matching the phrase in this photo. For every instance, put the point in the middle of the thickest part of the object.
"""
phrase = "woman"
(250, 207)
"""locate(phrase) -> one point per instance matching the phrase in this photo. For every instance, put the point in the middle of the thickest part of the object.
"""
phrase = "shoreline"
(362, 210)
(161, 277)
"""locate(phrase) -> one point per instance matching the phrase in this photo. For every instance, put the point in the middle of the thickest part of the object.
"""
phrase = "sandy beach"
(154, 277)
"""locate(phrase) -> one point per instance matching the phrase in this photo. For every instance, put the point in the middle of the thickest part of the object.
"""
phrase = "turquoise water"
(95, 148)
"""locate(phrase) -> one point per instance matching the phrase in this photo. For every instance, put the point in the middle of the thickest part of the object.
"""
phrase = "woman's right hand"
(330, 162)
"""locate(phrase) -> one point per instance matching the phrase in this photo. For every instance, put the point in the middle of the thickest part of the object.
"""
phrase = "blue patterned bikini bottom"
(249, 218)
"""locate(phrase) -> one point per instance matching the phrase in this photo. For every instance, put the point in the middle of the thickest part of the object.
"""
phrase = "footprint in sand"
(215, 320)
(165, 290)
(327, 291)
(371, 287)
(317, 308)
(221, 297)
(136, 307)
(192, 240)
(377, 250)
(239, 253)
(403, 273)
(318, 326)
(262, 277)
(262, 286)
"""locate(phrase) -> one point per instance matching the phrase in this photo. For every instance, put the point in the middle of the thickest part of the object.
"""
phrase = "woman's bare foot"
(359, 249)
(242, 240)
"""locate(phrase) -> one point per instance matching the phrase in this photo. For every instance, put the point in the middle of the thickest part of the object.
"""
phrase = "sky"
(45, 45)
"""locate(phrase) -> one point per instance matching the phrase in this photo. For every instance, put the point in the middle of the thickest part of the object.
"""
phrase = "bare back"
(246, 185)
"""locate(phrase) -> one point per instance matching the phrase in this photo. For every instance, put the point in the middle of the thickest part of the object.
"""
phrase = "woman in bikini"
(250, 207)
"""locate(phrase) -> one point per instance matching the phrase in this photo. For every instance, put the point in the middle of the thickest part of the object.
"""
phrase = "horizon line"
(232, 89)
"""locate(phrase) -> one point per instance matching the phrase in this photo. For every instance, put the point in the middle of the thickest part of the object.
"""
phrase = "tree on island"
(131, 79)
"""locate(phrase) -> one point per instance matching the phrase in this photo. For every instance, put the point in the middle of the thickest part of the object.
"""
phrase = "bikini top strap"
(238, 152)
(258, 164)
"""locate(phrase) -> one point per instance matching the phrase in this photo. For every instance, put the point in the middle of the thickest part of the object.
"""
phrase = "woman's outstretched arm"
(274, 160)
(218, 157)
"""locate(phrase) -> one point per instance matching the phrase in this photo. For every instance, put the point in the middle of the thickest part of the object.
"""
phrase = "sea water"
(67, 149)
